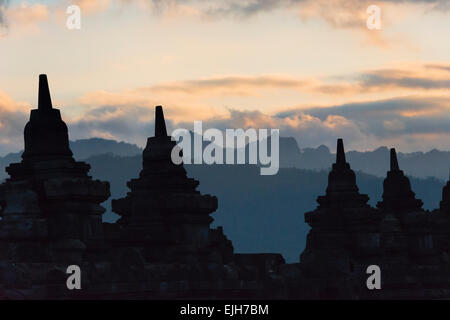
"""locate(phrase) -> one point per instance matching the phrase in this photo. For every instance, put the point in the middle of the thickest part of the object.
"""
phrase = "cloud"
(336, 12)
(135, 124)
(403, 121)
(404, 79)
(3, 23)
(132, 124)
(424, 77)
(366, 125)
(129, 100)
(92, 6)
(410, 123)
(13, 118)
(443, 67)
(25, 16)
(199, 92)
(240, 85)
(248, 8)
(306, 128)
(380, 80)
(3, 4)
(390, 116)
(215, 8)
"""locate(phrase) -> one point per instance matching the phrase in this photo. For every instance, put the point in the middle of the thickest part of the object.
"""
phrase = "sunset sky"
(308, 67)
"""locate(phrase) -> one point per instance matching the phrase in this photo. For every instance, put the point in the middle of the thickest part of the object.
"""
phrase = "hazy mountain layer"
(434, 163)
(82, 149)
(258, 213)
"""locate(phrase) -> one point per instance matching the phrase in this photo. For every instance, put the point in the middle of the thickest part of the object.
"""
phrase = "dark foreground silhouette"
(163, 246)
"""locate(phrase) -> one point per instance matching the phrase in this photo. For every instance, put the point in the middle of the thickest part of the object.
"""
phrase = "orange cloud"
(92, 6)
(201, 97)
(238, 85)
(127, 102)
(26, 14)
(7, 104)
(13, 117)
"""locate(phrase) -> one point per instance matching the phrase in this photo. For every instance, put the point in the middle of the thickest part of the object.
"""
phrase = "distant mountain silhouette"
(258, 213)
(82, 149)
(288, 148)
(434, 163)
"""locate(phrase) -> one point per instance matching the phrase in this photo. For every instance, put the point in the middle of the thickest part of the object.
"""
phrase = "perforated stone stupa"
(51, 212)
(408, 244)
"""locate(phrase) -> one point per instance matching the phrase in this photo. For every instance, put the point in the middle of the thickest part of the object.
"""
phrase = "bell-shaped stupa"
(397, 193)
(51, 207)
(344, 235)
(342, 190)
(45, 134)
(163, 212)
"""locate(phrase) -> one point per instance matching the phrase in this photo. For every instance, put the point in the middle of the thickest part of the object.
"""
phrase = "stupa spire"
(394, 161)
(46, 133)
(160, 123)
(340, 153)
(44, 100)
(342, 190)
(397, 193)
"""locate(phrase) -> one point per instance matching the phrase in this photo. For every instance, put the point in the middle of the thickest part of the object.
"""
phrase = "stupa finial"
(394, 161)
(160, 123)
(44, 100)
(340, 153)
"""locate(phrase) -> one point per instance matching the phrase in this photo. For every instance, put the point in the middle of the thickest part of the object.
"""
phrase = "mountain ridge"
(434, 163)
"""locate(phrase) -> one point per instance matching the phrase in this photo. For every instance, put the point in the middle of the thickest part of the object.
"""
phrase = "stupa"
(441, 225)
(51, 215)
(342, 191)
(344, 236)
(164, 213)
(397, 194)
(165, 224)
(408, 244)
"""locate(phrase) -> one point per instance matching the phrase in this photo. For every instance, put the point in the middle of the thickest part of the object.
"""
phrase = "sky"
(310, 68)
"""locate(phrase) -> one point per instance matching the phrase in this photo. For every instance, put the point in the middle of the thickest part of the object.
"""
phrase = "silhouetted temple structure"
(164, 214)
(51, 216)
(165, 222)
(163, 246)
(397, 194)
(409, 244)
(344, 234)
